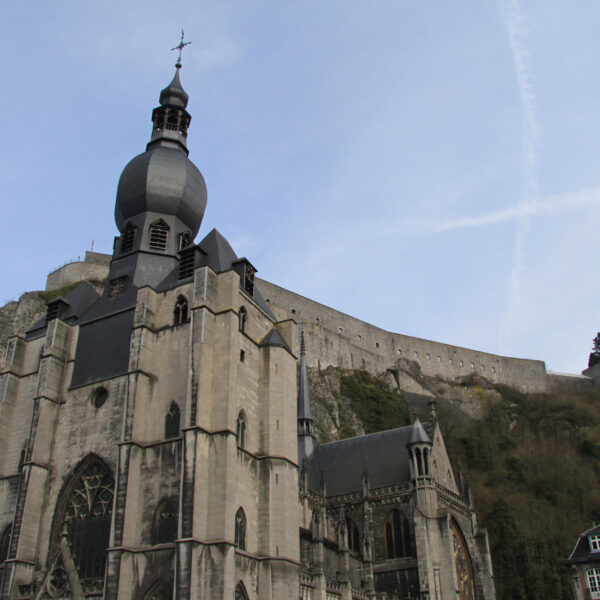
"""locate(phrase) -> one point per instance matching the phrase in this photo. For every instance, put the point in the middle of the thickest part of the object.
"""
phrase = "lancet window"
(165, 523)
(241, 430)
(397, 535)
(185, 239)
(181, 311)
(172, 421)
(243, 317)
(158, 236)
(353, 535)
(4, 542)
(240, 529)
(240, 592)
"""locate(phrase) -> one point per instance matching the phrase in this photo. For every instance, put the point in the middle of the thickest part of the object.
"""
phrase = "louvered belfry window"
(158, 236)
(128, 238)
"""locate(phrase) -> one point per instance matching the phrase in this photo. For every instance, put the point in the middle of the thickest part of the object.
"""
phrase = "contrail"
(518, 35)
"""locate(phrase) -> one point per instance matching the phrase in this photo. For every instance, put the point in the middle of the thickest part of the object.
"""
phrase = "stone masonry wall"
(334, 338)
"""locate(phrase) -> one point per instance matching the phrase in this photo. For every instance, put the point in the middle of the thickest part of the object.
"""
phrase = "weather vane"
(180, 47)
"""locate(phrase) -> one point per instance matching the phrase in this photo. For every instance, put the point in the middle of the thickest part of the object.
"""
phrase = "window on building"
(128, 238)
(593, 579)
(353, 536)
(4, 542)
(397, 535)
(240, 529)
(240, 592)
(172, 421)
(158, 235)
(241, 430)
(165, 523)
(99, 397)
(158, 591)
(87, 519)
(185, 239)
(181, 312)
(243, 318)
(594, 543)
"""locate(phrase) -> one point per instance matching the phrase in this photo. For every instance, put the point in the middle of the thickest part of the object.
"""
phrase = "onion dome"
(163, 179)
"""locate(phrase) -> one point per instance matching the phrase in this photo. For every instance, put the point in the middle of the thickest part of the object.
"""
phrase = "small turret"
(306, 437)
(419, 451)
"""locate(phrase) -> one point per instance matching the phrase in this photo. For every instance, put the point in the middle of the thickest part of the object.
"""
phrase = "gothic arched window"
(185, 239)
(87, 516)
(243, 317)
(172, 421)
(128, 238)
(240, 592)
(158, 591)
(353, 536)
(158, 235)
(397, 535)
(165, 523)
(241, 430)
(240, 529)
(4, 543)
(180, 313)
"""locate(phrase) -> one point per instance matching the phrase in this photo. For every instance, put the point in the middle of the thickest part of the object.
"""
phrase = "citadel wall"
(334, 338)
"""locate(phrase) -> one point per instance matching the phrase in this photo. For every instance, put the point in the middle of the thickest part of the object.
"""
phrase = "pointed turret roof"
(174, 94)
(418, 435)
(304, 411)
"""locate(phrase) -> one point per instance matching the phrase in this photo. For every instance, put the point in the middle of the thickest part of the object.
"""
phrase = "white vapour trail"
(518, 33)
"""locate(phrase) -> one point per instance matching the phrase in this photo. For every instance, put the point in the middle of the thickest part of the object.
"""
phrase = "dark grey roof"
(80, 300)
(383, 454)
(582, 551)
(418, 435)
(258, 297)
(161, 180)
(273, 338)
(219, 253)
(174, 94)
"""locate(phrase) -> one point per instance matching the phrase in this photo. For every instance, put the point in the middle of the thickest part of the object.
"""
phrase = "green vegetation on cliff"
(532, 460)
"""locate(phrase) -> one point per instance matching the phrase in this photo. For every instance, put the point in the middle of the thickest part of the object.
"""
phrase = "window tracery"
(181, 311)
(462, 563)
(240, 592)
(353, 535)
(87, 520)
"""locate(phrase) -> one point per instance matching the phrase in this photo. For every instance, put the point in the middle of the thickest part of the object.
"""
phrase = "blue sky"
(429, 167)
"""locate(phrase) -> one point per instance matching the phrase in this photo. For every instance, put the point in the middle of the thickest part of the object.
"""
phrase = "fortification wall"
(334, 338)
(95, 266)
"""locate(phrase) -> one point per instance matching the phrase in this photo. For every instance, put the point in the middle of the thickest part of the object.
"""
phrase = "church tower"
(149, 445)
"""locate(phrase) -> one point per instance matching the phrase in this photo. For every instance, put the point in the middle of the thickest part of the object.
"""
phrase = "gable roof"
(582, 551)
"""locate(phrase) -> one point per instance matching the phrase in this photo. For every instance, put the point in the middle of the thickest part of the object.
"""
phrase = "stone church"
(157, 439)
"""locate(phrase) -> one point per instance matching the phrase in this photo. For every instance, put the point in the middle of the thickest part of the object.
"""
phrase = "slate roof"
(219, 253)
(383, 455)
(582, 551)
(419, 435)
(273, 338)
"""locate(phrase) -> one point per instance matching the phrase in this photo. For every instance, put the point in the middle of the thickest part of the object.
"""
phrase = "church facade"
(158, 439)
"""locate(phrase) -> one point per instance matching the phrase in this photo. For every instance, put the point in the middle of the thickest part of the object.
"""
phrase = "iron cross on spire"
(180, 47)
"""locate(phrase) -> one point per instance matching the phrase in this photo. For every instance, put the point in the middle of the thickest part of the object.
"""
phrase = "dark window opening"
(242, 355)
(4, 543)
(128, 238)
(165, 523)
(172, 421)
(241, 430)
(240, 529)
(353, 536)
(240, 592)
(249, 279)
(99, 397)
(87, 521)
(186, 262)
(185, 239)
(116, 287)
(158, 235)
(419, 462)
(243, 317)
(397, 535)
(180, 313)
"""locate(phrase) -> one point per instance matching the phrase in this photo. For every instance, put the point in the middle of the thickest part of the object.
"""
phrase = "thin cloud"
(518, 38)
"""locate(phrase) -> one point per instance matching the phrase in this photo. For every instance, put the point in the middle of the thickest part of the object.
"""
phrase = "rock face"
(17, 317)
(335, 417)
